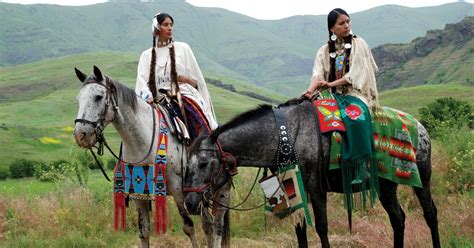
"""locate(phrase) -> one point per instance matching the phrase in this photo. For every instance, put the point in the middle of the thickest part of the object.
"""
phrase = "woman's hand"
(184, 79)
(308, 94)
(323, 84)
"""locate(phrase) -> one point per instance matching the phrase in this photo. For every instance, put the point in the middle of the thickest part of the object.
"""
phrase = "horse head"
(96, 100)
(207, 170)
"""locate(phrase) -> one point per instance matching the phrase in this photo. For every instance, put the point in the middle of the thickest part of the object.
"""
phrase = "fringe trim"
(295, 218)
(354, 179)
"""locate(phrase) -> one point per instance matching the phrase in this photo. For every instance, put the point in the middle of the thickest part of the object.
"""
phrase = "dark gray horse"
(252, 140)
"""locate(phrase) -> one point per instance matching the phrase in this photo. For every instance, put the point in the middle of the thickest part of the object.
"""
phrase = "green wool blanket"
(395, 138)
(357, 149)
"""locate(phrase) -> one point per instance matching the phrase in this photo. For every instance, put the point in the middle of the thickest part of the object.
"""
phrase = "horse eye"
(202, 165)
(98, 98)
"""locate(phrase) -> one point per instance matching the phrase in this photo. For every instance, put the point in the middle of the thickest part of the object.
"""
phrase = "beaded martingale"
(143, 182)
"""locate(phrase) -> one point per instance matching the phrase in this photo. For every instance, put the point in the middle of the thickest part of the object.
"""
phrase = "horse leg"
(423, 161)
(143, 208)
(319, 202)
(429, 212)
(188, 225)
(301, 234)
(388, 198)
(221, 221)
(207, 227)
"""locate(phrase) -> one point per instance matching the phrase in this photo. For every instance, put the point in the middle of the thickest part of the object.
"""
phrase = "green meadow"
(37, 112)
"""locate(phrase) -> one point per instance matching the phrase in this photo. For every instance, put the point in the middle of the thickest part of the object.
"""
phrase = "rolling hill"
(41, 102)
(275, 54)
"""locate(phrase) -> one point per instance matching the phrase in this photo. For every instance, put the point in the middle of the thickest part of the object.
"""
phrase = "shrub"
(4, 172)
(87, 160)
(82, 173)
(56, 171)
(459, 145)
(111, 163)
(20, 168)
(445, 114)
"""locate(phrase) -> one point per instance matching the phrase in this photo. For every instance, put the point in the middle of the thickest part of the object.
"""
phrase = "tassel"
(119, 211)
(160, 180)
(160, 215)
(160, 201)
(119, 197)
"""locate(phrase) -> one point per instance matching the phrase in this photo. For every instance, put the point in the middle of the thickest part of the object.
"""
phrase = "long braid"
(347, 54)
(152, 77)
(347, 40)
(174, 75)
(332, 61)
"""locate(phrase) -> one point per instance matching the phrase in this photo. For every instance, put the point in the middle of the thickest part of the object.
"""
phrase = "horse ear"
(98, 74)
(214, 135)
(82, 77)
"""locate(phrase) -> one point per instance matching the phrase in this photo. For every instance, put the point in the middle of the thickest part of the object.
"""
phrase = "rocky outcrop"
(389, 55)
(393, 56)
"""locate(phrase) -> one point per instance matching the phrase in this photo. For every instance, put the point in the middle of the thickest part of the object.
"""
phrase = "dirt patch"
(3, 208)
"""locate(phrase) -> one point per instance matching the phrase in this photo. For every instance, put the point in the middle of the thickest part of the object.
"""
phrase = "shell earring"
(333, 37)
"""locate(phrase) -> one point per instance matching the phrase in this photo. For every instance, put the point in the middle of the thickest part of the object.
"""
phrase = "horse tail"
(226, 232)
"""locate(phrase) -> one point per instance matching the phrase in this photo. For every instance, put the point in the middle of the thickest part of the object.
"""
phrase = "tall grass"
(66, 215)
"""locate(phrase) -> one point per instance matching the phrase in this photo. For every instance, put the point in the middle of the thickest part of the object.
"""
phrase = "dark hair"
(151, 78)
(332, 18)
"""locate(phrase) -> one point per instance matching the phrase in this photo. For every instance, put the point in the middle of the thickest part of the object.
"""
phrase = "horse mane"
(293, 101)
(127, 95)
(240, 119)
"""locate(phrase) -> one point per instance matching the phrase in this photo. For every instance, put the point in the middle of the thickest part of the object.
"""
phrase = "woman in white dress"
(169, 61)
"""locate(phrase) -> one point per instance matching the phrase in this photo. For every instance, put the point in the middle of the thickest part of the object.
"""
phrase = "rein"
(111, 96)
(243, 201)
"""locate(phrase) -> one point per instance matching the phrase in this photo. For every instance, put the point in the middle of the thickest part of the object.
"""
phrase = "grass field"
(36, 122)
(35, 214)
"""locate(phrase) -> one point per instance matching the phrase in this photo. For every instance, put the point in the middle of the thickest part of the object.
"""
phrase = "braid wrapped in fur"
(152, 78)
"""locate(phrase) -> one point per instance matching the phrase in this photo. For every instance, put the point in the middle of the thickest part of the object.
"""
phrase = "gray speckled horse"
(133, 121)
(252, 139)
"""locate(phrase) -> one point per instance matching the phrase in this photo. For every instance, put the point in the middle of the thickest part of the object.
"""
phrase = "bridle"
(110, 98)
(222, 156)
(211, 188)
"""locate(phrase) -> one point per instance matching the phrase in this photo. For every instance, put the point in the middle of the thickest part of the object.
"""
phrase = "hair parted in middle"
(156, 22)
(332, 18)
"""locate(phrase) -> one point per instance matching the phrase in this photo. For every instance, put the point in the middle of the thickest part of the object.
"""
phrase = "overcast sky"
(275, 9)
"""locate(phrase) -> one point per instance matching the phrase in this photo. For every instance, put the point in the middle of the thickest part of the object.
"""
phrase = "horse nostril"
(83, 134)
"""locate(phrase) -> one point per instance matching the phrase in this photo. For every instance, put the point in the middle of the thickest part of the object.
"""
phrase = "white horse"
(102, 101)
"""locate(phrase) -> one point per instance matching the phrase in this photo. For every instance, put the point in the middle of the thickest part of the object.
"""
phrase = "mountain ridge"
(274, 54)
